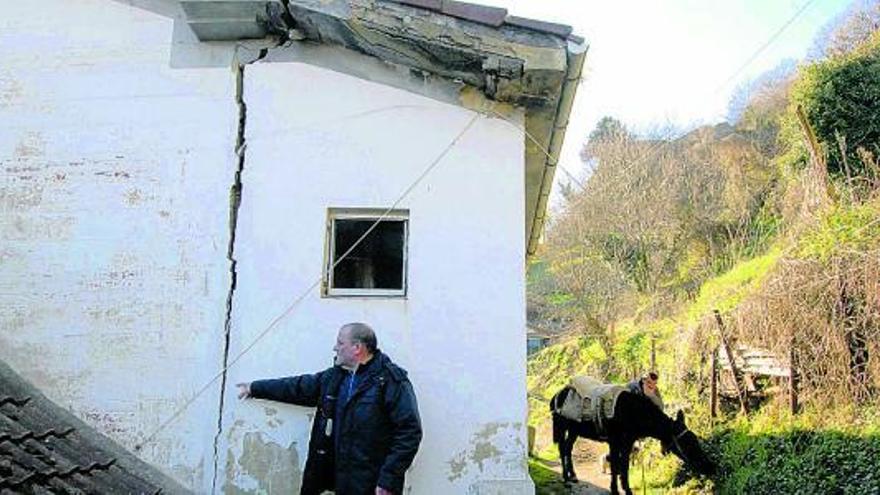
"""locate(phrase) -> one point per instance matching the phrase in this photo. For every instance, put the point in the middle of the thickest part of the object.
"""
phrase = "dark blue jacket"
(378, 429)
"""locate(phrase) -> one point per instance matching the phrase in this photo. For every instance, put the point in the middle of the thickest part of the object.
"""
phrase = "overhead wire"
(151, 436)
(754, 56)
(663, 143)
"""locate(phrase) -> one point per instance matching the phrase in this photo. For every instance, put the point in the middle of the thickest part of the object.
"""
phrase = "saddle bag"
(575, 406)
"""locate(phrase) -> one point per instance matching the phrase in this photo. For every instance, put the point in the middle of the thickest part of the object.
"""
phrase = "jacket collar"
(368, 373)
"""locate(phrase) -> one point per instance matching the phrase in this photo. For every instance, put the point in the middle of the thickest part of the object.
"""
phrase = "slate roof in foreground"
(45, 449)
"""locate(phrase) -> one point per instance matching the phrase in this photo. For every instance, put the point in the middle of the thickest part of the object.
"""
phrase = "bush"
(846, 229)
(797, 461)
(771, 452)
(839, 96)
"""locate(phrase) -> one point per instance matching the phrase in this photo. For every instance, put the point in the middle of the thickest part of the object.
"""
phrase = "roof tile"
(492, 16)
(434, 5)
(45, 449)
(536, 25)
(483, 14)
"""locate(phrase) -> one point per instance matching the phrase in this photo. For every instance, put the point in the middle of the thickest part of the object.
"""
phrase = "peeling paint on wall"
(263, 467)
(272, 418)
(21, 198)
(498, 445)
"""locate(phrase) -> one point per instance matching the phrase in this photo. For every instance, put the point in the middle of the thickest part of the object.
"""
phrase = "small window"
(377, 265)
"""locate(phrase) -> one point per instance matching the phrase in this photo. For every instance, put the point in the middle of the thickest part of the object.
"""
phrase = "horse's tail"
(558, 427)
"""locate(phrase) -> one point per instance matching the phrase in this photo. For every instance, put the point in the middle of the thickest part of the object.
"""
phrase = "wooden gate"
(746, 364)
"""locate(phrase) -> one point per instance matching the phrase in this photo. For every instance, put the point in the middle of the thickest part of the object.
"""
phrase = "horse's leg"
(625, 452)
(614, 454)
(560, 434)
(565, 448)
(563, 458)
(572, 436)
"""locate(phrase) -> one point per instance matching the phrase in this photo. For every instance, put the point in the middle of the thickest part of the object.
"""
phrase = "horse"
(635, 417)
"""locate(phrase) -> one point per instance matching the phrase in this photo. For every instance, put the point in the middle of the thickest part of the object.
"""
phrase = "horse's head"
(685, 444)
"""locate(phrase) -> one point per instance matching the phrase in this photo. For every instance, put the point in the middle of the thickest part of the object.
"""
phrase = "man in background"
(647, 386)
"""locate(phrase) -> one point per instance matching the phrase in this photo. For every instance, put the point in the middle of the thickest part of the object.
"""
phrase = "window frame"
(373, 214)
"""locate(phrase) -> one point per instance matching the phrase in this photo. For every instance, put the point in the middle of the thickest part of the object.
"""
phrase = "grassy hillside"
(746, 219)
(833, 444)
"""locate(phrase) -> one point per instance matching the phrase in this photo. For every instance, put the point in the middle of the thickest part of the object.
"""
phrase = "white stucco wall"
(319, 139)
(114, 179)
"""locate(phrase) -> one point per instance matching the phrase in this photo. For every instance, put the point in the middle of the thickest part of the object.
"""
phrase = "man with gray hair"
(367, 429)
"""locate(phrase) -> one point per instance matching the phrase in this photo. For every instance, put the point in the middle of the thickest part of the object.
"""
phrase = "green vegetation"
(731, 218)
(839, 96)
(548, 481)
(846, 229)
(818, 452)
(727, 290)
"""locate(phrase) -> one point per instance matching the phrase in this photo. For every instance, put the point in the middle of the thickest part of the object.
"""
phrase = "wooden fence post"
(817, 160)
(792, 381)
(740, 392)
(713, 384)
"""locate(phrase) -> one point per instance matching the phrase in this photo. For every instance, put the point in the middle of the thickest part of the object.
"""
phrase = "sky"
(672, 63)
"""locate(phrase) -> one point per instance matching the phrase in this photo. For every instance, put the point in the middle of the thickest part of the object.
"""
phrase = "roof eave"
(577, 52)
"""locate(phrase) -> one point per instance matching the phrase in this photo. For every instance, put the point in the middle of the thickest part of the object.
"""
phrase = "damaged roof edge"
(577, 52)
(227, 20)
(523, 62)
(484, 14)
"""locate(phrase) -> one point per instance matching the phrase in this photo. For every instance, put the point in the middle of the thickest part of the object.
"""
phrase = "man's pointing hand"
(244, 390)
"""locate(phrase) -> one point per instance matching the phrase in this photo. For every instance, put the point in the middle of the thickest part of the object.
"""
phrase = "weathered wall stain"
(133, 197)
(11, 91)
(483, 451)
(272, 418)
(266, 464)
(31, 145)
(20, 198)
(117, 174)
(189, 475)
(114, 423)
(109, 305)
(490, 444)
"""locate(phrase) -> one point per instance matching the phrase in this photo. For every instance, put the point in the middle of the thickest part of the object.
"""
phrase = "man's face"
(346, 351)
(649, 385)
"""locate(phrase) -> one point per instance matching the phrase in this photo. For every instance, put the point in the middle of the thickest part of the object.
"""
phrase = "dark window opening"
(377, 262)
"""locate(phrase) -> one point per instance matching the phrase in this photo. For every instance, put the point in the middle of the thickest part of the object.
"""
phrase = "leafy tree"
(839, 96)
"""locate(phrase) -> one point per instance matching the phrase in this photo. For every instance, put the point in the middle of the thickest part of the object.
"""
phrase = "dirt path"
(586, 457)
(586, 465)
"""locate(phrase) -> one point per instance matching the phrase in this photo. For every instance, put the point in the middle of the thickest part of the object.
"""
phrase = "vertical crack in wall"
(234, 203)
